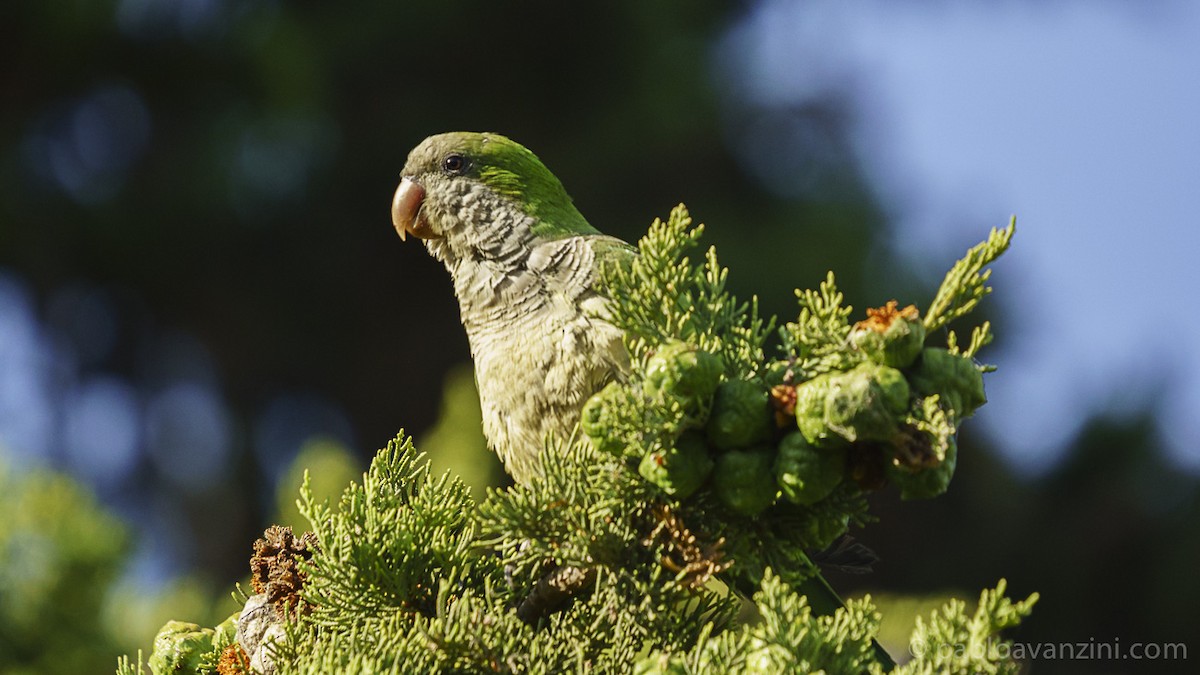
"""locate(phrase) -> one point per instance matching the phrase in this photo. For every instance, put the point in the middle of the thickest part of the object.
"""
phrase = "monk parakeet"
(524, 263)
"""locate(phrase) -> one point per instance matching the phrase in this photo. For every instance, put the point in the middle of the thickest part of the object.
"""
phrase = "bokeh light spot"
(189, 434)
(103, 429)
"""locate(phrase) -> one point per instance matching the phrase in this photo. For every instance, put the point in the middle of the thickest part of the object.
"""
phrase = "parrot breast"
(535, 324)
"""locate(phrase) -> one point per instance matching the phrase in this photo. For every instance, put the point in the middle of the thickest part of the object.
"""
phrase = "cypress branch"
(709, 467)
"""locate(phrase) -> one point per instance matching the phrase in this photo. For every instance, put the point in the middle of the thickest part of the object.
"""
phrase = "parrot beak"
(406, 211)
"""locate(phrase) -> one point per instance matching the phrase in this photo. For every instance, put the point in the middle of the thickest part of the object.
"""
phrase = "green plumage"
(512, 171)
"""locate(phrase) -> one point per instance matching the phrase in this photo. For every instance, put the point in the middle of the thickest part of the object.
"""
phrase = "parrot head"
(455, 186)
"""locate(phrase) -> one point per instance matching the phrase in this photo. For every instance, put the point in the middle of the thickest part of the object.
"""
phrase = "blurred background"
(201, 293)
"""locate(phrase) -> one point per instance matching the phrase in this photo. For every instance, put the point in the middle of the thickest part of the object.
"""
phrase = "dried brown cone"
(275, 569)
(234, 661)
(783, 401)
(692, 560)
(914, 449)
(878, 319)
(553, 590)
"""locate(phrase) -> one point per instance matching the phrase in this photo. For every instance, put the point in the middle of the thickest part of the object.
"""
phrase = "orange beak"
(406, 211)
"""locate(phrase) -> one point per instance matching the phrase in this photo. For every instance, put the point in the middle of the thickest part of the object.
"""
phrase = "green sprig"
(966, 282)
(817, 340)
(662, 296)
(953, 641)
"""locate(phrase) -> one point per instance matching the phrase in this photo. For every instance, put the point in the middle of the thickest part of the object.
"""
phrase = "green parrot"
(524, 263)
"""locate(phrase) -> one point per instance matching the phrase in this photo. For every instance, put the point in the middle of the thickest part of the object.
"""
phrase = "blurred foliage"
(456, 442)
(135, 613)
(59, 555)
(64, 606)
(330, 467)
(898, 613)
(222, 170)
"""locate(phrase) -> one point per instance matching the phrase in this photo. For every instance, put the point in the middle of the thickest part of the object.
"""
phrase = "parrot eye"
(454, 164)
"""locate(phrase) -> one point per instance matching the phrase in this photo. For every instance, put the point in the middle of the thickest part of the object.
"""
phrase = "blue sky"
(1080, 117)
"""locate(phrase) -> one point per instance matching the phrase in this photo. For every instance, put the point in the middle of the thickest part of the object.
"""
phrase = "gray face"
(432, 186)
(444, 200)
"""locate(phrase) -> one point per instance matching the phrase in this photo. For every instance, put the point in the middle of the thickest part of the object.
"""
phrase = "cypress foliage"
(676, 532)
